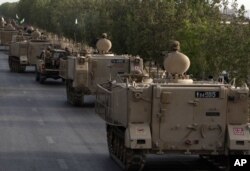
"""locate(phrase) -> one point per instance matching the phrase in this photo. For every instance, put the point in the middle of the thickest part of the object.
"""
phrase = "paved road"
(39, 131)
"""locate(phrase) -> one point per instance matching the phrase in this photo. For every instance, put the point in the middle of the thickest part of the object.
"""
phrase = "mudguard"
(239, 137)
(23, 60)
(138, 136)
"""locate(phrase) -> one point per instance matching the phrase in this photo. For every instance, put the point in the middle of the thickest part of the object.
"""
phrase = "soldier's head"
(174, 45)
(104, 35)
(49, 48)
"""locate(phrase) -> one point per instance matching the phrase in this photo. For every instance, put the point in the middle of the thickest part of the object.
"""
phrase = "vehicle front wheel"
(37, 76)
(41, 79)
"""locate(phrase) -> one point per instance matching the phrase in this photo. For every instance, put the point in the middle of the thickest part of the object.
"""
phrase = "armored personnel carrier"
(173, 115)
(83, 73)
(48, 64)
(6, 34)
(24, 53)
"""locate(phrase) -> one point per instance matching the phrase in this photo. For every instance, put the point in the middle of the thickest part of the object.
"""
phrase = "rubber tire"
(37, 76)
(10, 64)
(42, 79)
(73, 97)
(22, 68)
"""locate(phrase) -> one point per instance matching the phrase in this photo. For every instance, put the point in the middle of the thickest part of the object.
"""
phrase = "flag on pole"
(17, 16)
(76, 22)
(22, 21)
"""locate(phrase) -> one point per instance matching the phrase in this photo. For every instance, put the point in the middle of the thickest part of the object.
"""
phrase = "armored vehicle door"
(188, 118)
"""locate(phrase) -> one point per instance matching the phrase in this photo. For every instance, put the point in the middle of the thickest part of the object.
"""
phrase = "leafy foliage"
(145, 27)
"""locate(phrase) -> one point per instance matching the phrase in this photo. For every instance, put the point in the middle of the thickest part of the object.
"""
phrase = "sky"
(246, 3)
(3, 1)
(240, 2)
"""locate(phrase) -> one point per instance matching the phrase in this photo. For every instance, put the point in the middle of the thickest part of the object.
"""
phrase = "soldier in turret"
(174, 46)
(68, 53)
(104, 36)
(36, 34)
(48, 52)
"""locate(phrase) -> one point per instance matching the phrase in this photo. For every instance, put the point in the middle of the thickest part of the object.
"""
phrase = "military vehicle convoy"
(47, 65)
(24, 53)
(173, 115)
(83, 73)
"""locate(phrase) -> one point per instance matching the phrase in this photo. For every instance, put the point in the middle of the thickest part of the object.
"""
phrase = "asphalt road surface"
(39, 131)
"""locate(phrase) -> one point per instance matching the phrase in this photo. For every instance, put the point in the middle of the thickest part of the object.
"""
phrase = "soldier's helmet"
(224, 72)
(174, 45)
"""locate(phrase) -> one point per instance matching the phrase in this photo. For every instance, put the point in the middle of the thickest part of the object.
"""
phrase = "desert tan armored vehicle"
(83, 73)
(24, 53)
(6, 35)
(48, 64)
(173, 115)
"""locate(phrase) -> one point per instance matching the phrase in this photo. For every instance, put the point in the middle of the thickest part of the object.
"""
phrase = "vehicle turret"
(175, 61)
(103, 45)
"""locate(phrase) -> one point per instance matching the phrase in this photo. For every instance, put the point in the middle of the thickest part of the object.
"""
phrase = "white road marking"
(62, 164)
(50, 139)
